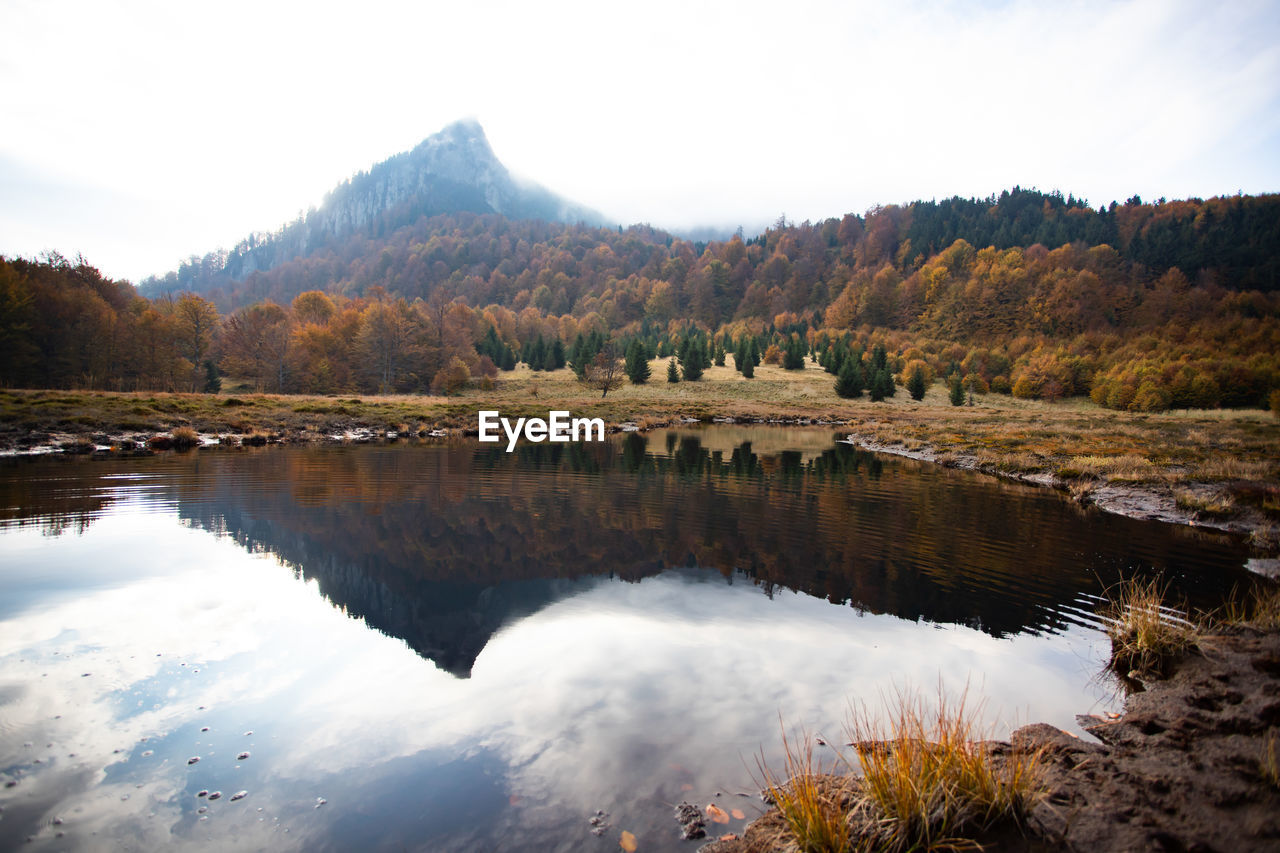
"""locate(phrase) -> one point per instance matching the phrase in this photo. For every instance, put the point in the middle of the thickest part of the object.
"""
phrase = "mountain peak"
(450, 171)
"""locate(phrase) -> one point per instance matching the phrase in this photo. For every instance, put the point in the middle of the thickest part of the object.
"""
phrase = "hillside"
(452, 171)
(436, 267)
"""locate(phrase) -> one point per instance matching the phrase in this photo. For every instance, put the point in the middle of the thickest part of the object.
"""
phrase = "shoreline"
(1213, 470)
(1184, 768)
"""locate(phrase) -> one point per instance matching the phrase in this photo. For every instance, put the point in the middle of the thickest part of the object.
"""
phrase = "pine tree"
(212, 378)
(849, 380)
(879, 358)
(753, 353)
(916, 383)
(556, 359)
(881, 384)
(793, 355)
(673, 375)
(956, 390)
(740, 353)
(691, 359)
(748, 368)
(719, 353)
(534, 354)
(637, 363)
(887, 386)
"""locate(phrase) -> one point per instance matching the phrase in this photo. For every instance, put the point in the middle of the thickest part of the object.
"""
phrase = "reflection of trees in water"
(408, 535)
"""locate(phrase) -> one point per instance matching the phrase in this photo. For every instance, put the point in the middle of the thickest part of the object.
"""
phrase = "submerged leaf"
(627, 842)
(738, 814)
(717, 814)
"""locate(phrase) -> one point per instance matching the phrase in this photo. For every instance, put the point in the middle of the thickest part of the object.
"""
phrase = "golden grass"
(814, 803)
(1147, 635)
(929, 783)
(1204, 506)
(184, 438)
(924, 780)
(1259, 608)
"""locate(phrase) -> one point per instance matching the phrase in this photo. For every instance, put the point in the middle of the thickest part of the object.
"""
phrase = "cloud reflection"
(613, 698)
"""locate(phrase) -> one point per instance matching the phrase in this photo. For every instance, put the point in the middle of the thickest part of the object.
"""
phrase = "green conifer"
(637, 366)
(849, 380)
(916, 384)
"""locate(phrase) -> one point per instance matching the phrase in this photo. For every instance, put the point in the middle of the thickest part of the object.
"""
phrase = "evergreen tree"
(718, 353)
(793, 355)
(535, 354)
(916, 383)
(740, 353)
(956, 390)
(691, 362)
(579, 358)
(887, 386)
(212, 378)
(556, 358)
(748, 368)
(753, 353)
(849, 380)
(879, 358)
(673, 375)
(637, 366)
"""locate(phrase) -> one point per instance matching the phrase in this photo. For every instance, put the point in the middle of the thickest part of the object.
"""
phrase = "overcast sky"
(141, 133)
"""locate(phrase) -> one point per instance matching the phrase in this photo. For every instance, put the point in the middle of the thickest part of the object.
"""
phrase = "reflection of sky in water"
(119, 645)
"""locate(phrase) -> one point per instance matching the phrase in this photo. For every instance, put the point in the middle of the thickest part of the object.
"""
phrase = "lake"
(448, 647)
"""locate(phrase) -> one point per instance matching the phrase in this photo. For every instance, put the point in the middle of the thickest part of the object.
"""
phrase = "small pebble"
(195, 759)
(239, 795)
(203, 793)
(216, 795)
(242, 756)
(204, 729)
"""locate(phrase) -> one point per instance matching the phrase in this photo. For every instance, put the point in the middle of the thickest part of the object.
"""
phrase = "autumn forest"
(1141, 306)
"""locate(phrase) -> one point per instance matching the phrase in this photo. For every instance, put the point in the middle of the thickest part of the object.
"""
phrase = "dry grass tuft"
(1146, 634)
(1259, 608)
(814, 802)
(1203, 506)
(184, 438)
(929, 783)
(1233, 468)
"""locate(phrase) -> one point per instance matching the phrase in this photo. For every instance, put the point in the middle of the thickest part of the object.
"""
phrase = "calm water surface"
(433, 647)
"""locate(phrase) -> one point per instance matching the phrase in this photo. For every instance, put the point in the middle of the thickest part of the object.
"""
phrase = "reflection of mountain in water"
(448, 622)
(442, 545)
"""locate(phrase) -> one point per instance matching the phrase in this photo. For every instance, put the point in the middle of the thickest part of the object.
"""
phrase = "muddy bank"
(1183, 769)
(1154, 501)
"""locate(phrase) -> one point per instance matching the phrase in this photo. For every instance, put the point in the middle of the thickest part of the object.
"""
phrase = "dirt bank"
(1181, 770)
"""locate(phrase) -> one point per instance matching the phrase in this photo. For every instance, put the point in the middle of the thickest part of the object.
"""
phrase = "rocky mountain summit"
(452, 171)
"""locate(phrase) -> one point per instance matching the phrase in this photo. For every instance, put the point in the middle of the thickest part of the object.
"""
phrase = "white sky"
(141, 133)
